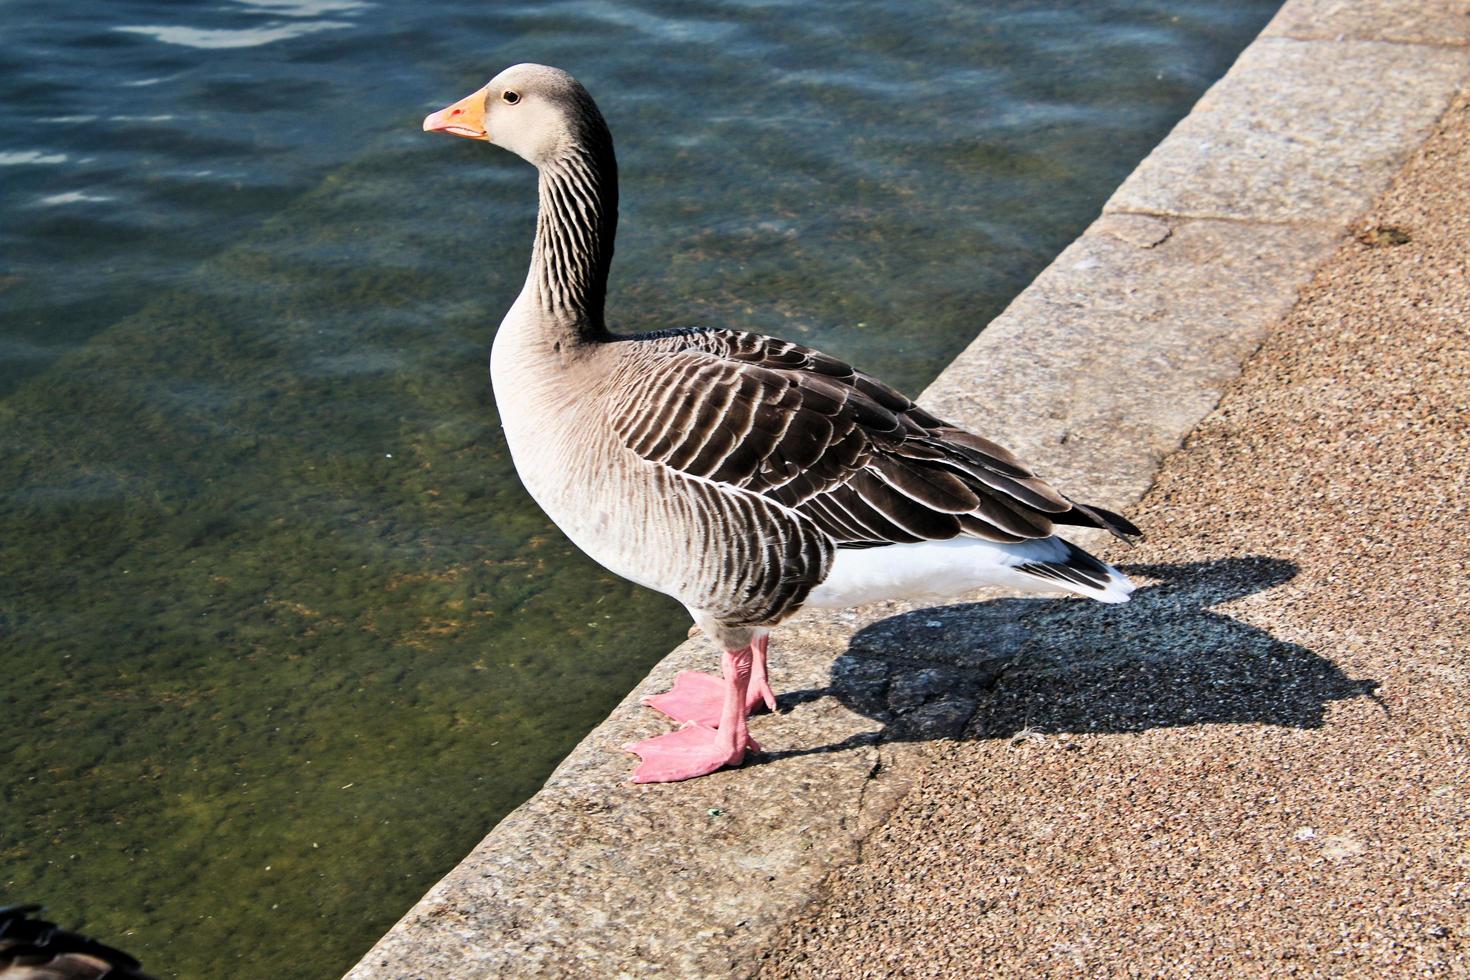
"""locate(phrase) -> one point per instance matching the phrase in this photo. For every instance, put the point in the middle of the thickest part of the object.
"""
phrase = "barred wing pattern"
(751, 415)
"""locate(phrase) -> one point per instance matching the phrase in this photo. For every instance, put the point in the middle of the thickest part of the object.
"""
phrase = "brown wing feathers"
(862, 462)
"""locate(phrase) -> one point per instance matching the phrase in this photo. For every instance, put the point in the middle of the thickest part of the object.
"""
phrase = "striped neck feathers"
(575, 227)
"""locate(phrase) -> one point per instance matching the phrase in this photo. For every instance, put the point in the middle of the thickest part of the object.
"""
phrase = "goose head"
(537, 112)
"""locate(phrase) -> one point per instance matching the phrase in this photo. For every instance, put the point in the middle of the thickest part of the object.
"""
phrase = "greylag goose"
(34, 949)
(743, 475)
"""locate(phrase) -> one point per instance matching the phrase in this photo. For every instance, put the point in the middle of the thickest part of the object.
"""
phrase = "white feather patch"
(940, 569)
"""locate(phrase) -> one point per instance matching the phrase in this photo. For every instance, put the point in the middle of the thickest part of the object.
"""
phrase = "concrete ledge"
(1394, 21)
(1296, 131)
(1099, 369)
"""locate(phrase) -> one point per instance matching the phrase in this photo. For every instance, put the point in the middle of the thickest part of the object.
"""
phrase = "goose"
(33, 949)
(745, 476)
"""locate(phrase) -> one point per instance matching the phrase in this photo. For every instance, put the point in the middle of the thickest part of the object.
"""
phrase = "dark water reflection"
(282, 637)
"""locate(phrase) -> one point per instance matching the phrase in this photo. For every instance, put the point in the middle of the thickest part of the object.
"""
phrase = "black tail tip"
(1088, 515)
(1119, 525)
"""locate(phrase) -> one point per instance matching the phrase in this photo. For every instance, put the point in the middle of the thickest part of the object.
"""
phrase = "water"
(282, 636)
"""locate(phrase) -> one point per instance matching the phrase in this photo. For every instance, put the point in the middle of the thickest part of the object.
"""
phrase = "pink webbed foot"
(694, 750)
(699, 698)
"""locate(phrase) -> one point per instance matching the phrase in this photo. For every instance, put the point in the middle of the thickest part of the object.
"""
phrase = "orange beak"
(465, 118)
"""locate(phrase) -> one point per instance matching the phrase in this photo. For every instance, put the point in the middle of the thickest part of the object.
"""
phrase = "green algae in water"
(285, 637)
(259, 617)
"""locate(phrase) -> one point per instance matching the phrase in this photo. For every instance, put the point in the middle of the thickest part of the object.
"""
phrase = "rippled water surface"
(282, 636)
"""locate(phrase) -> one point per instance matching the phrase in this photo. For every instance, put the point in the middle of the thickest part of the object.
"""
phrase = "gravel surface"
(1259, 766)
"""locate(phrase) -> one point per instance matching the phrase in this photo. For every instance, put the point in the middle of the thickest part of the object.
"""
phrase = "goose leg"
(700, 698)
(760, 684)
(697, 749)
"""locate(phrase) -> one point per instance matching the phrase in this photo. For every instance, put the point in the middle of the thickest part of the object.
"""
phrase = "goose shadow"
(1005, 667)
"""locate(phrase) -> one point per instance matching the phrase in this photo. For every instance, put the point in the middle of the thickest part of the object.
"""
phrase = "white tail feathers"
(948, 568)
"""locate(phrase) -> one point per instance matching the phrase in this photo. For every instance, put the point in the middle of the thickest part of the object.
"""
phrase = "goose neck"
(574, 240)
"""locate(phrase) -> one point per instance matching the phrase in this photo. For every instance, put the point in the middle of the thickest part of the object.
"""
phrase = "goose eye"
(509, 97)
